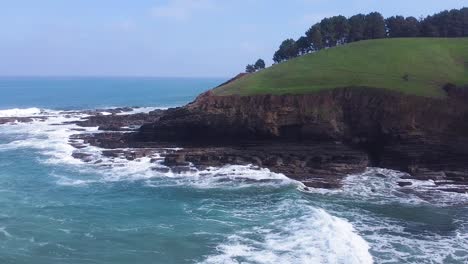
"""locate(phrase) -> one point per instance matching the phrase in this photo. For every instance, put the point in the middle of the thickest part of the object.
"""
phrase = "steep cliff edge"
(427, 137)
(403, 107)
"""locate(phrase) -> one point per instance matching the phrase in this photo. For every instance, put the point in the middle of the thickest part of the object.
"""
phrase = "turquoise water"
(79, 93)
(56, 209)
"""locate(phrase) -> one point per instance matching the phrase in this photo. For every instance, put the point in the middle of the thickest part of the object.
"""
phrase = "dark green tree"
(338, 30)
(455, 23)
(334, 31)
(250, 68)
(357, 27)
(341, 29)
(464, 21)
(278, 56)
(400, 27)
(442, 20)
(259, 65)
(304, 45)
(375, 26)
(464, 15)
(287, 50)
(428, 29)
(327, 29)
(314, 34)
(412, 27)
(395, 25)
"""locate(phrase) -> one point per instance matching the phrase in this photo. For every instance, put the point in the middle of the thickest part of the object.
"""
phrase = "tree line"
(339, 30)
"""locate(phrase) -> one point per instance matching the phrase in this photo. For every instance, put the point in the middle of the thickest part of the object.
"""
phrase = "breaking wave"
(312, 236)
(20, 112)
(304, 235)
(300, 233)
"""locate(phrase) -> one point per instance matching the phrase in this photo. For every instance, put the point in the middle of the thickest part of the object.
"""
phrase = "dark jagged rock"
(114, 122)
(100, 112)
(316, 138)
(85, 157)
(6, 120)
(404, 184)
(316, 164)
(427, 137)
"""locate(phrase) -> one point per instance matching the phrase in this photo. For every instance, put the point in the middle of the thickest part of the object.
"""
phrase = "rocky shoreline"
(316, 164)
(367, 127)
(317, 139)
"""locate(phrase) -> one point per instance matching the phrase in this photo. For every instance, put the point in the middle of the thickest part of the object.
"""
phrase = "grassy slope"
(430, 63)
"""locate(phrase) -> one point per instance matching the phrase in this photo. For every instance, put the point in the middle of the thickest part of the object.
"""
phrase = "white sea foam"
(314, 237)
(4, 232)
(233, 176)
(309, 238)
(379, 185)
(390, 239)
(392, 242)
(20, 112)
(51, 138)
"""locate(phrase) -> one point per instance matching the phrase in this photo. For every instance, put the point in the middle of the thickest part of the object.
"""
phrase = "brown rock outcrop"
(427, 137)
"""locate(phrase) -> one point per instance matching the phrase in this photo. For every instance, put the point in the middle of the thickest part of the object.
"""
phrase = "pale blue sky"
(165, 37)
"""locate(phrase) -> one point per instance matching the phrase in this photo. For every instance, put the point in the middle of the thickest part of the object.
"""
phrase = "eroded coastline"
(304, 149)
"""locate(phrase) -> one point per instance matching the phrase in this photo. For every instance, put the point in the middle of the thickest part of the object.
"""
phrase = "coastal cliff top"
(418, 66)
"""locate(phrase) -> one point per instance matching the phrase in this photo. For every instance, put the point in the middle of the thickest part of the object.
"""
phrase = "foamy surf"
(314, 237)
(51, 136)
(406, 240)
(302, 240)
(381, 186)
(299, 233)
(20, 112)
(394, 242)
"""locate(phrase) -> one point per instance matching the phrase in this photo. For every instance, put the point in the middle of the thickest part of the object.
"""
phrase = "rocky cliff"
(427, 137)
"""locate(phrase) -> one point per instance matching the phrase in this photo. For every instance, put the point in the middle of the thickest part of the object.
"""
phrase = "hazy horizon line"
(113, 76)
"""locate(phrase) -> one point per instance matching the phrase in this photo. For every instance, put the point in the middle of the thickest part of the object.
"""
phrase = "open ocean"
(57, 209)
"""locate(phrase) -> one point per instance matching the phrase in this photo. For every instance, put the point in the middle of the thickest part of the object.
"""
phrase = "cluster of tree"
(340, 30)
(260, 64)
(446, 24)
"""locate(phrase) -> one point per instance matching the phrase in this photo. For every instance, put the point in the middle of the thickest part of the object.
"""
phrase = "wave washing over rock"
(18, 112)
(376, 216)
(331, 133)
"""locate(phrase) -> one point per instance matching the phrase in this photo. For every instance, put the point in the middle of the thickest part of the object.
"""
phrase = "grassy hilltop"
(419, 66)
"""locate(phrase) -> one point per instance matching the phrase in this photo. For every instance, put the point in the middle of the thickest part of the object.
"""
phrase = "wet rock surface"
(7, 120)
(425, 137)
(316, 164)
(317, 139)
(119, 121)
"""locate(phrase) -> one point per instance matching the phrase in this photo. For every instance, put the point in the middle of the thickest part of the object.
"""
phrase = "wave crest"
(20, 112)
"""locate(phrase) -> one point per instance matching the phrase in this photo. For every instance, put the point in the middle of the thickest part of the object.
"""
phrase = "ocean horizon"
(69, 92)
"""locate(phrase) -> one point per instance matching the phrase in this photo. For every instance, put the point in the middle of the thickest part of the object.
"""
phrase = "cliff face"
(352, 114)
(410, 133)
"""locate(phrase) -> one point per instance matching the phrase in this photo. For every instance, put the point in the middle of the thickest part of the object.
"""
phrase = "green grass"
(429, 63)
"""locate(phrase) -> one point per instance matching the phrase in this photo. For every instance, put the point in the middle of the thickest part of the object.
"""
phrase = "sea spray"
(286, 226)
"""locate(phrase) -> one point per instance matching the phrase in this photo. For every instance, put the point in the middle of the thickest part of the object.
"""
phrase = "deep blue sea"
(57, 209)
